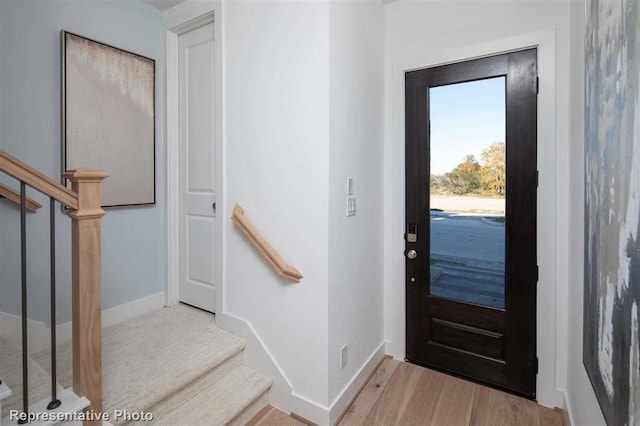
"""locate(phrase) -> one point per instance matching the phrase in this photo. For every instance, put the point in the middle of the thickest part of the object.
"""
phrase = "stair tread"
(221, 402)
(11, 375)
(149, 358)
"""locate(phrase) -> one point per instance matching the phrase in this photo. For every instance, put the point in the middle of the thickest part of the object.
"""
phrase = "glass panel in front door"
(467, 192)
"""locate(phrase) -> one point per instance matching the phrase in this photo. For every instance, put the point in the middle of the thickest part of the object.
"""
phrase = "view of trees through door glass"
(467, 191)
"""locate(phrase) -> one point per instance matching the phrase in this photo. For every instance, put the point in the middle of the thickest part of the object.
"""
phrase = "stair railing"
(14, 196)
(83, 202)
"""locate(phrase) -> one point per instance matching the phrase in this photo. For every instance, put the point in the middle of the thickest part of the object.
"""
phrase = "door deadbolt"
(412, 254)
(411, 235)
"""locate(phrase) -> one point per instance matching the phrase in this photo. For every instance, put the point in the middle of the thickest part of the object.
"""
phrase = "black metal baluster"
(55, 402)
(23, 260)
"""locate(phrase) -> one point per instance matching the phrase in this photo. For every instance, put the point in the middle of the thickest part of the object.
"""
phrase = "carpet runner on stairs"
(175, 364)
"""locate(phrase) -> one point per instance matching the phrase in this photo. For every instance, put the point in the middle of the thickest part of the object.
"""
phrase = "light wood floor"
(399, 393)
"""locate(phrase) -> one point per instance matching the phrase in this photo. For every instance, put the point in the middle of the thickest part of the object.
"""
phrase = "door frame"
(551, 209)
(181, 19)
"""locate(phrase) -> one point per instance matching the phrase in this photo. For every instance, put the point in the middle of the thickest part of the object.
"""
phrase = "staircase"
(83, 206)
(172, 366)
(173, 363)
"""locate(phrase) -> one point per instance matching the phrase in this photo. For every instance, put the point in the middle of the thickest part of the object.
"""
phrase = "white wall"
(427, 33)
(276, 124)
(303, 99)
(584, 406)
(355, 243)
(133, 238)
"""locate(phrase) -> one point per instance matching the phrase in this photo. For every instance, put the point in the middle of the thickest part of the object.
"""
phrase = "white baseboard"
(115, 315)
(309, 410)
(351, 389)
(256, 355)
(282, 395)
(397, 352)
(135, 308)
(566, 406)
(40, 337)
(550, 398)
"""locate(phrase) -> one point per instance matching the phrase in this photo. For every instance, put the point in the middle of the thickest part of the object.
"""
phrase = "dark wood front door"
(471, 269)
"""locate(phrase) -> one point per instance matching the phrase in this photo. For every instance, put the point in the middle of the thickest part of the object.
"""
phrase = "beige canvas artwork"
(109, 118)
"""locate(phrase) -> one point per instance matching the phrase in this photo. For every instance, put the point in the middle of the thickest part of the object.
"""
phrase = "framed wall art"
(108, 118)
(612, 217)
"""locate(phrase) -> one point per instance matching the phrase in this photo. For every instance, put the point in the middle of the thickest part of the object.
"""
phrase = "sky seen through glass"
(465, 119)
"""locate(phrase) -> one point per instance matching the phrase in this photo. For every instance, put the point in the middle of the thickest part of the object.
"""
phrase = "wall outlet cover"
(344, 354)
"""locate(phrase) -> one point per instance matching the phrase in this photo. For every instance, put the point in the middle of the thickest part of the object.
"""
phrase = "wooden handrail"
(36, 180)
(14, 196)
(269, 253)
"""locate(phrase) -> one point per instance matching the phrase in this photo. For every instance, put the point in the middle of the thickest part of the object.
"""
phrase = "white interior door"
(197, 171)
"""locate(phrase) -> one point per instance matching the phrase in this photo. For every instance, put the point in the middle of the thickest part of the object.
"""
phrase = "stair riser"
(163, 408)
(224, 401)
(250, 412)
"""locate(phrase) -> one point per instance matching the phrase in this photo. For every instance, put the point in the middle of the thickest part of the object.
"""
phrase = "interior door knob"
(412, 254)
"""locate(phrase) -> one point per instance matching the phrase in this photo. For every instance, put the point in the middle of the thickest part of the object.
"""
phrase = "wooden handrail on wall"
(269, 253)
(14, 196)
(84, 202)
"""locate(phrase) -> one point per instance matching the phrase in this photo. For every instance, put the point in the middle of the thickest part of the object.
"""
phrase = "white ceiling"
(163, 4)
(168, 4)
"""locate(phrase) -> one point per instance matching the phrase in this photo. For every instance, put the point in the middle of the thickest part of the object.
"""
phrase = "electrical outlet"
(344, 353)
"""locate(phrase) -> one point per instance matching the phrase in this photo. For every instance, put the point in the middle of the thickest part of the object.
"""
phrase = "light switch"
(351, 206)
(349, 186)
